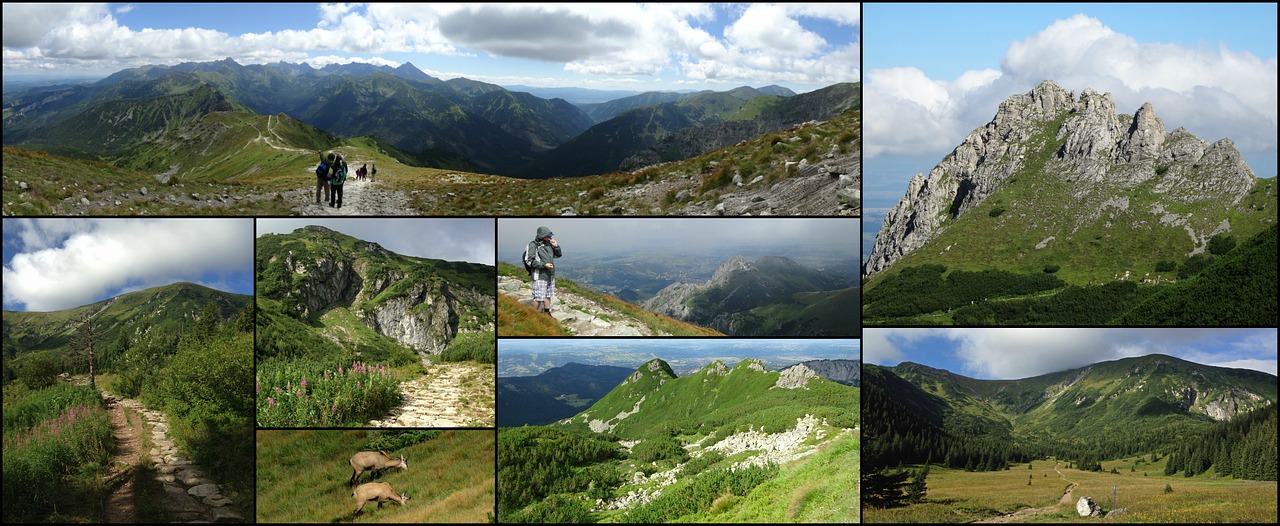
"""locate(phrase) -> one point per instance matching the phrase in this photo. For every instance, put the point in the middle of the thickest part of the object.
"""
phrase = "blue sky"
(449, 239)
(934, 72)
(606, 46)
(55, 264)
(682, 350)
(1014, 353)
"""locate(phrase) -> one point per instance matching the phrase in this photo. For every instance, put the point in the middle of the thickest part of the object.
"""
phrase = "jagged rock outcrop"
(847, 372)
(1082, 142)
(388, 293)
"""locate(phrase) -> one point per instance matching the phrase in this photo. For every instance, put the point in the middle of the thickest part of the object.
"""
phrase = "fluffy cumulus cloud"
(1010, 353)
(763, 43)
(63, 263)
(1213, 92)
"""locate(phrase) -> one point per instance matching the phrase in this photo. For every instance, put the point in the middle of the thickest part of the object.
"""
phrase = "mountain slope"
(169, 308)
(420, 303)
(1063, 187)
(717, 399)
(578, 311)
(771, 296)
(1120, 407)
(606, 146)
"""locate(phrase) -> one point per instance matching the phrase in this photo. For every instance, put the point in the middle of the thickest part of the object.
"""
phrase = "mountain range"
(458, 123)
(1105, 410)
(1076, 204)
(772, 296)
(364, 294)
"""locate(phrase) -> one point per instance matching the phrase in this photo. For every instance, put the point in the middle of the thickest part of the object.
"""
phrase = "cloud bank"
(765, 42)
(66, 263)
(1213, 92)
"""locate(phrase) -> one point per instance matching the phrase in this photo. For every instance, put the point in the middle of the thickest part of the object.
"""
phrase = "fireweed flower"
(271, 402)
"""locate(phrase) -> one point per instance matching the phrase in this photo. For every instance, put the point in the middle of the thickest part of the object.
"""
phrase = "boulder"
(1086, 507)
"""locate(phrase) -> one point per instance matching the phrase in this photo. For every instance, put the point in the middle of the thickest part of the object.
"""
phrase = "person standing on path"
(540, 256)
(335, 182)
(323, 172)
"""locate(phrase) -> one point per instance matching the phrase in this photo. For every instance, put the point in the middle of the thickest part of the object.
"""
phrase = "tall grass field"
(297, 393)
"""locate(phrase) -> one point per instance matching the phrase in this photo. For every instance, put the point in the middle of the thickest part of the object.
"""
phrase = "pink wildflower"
(271, 402)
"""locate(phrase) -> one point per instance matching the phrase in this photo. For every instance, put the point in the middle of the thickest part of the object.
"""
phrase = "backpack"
(525, 257)
(322, 171)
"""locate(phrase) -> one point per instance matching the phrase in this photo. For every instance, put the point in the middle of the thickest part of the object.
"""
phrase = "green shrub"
(39, 371)
(1166, 265)
(995, 212)
(1221, 244)
(477, 346)
(1050, 269)
(661, 448)
(1194, 265)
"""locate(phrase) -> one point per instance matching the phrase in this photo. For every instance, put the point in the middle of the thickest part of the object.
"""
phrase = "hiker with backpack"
(364, 169)
(338, 175)
(322, 177)
(373, 173)
(539, 258)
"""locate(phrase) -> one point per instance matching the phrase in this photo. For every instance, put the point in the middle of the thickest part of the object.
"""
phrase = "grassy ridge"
(518, 320)
(302, 477)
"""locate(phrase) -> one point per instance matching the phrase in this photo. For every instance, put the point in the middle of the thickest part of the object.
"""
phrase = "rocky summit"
(1092, 167)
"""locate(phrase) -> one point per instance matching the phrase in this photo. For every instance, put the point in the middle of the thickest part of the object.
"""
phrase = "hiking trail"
(453, 394)
(1025, 514)
(190, 496)
(359, 198)
(582, 316)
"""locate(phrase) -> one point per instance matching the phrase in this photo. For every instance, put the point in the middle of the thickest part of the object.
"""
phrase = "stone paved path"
(190, 496)
(448, 395)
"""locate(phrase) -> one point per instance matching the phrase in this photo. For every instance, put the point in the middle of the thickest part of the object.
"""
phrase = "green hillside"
(302, 476)
(165, 309)
(671, 439)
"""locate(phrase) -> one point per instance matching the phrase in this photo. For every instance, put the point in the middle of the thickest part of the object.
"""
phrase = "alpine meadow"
(1147, 438)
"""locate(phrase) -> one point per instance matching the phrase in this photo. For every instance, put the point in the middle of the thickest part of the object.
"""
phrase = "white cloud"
(764, 43)
(71, 263)
(1213, 92)
(1012, 353)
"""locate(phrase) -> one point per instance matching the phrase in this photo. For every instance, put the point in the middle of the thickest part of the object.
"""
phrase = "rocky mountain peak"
(1047, 133)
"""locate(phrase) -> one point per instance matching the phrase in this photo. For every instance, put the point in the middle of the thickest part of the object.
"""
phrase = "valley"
(1175, 440)
(219, 138)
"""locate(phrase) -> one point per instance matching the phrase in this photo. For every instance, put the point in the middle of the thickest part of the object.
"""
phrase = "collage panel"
(1152, 425)
(375, 323)
(648, 430)
(1070, 165)
(127, 367)
(673, 277)
(375, 475)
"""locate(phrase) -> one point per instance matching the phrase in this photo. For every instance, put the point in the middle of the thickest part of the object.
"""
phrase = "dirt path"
(359, 198)
(582, 316)
(448, 395)
(1025, 514)
(189, 494)
(120, 504)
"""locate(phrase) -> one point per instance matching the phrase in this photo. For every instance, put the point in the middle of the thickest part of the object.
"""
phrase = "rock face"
(395, 296)
(1099, 155)
(847, 372)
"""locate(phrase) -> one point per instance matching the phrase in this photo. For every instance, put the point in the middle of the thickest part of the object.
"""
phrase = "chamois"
(379, 492)
(375, 462)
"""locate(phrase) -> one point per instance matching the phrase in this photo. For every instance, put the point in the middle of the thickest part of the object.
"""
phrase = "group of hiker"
(331, 173)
